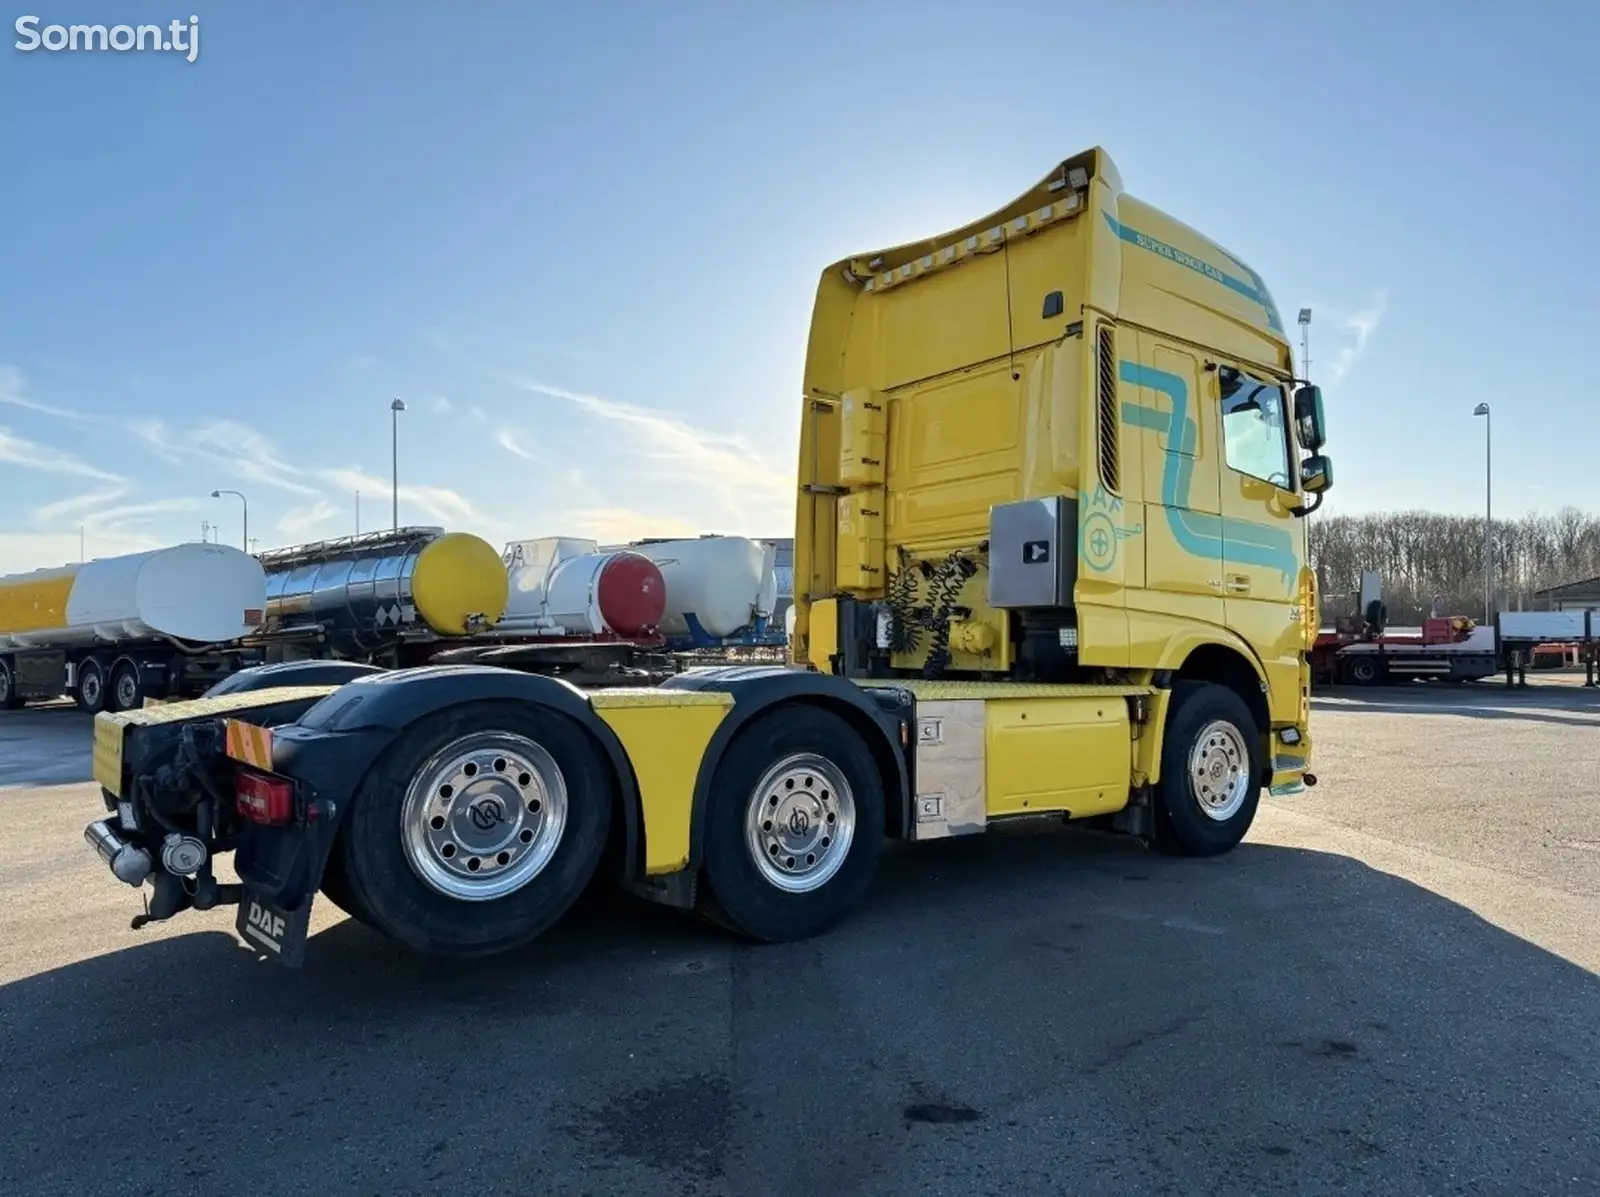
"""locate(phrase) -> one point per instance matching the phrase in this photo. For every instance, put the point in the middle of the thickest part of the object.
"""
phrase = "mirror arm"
(1306, 509)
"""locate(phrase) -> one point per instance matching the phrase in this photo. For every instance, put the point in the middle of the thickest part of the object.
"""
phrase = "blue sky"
(583, 248)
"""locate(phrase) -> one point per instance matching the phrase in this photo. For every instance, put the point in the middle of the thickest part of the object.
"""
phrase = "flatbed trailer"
(1400, 657)
(1098, 610)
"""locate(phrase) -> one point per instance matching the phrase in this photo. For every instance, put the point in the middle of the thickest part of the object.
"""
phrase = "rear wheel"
(1364, 671)
(90, 691)
(477, 830)
(796, 825)
(1210, 771)
(8, 688)
(125, 694)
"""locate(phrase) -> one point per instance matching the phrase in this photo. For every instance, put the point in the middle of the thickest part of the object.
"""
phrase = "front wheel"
(796, 825)
(476, 831)
(1210, 782)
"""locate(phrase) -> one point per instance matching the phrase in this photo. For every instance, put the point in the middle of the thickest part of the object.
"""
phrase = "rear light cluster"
(268, 801)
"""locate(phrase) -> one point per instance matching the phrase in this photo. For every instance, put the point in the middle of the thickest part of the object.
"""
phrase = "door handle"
(1239, 583)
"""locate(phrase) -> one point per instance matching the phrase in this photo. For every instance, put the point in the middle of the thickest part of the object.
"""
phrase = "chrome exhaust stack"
(128, 863)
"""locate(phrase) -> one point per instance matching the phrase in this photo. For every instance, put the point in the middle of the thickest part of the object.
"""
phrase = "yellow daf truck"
(1050, 562)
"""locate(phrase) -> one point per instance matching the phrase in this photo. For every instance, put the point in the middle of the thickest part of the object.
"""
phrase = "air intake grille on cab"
(1106, 355)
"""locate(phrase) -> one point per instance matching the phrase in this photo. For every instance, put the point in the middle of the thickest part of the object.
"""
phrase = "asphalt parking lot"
(1391, 987)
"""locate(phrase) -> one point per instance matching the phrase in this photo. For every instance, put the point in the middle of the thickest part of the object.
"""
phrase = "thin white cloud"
(441, 406)
(618, 525)
(33, 456)
(14, 393)
(75, 505)
(118, 518)
(248, 454)
(1355, 330)
(21, 552)
(297, 521)
(439, 503)
(506, 438)
(748, 486)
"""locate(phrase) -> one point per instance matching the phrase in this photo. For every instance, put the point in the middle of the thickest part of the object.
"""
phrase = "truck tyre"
(89, 691)
(8, 688)
(795, 826)
(1364, 672)
(124, 693)
(1210, 782)
(476, 830)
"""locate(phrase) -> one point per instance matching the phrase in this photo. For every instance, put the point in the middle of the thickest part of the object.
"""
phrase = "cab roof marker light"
(868, 285)
(1057, 183)
(1020, 224)
(1045, 213)
(927, 262)
(905, 271)
(948, 254)
(971, 243)
(875, 262)
(1072, 201)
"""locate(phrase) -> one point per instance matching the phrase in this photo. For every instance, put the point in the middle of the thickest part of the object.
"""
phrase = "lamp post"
(1488, 517)
(1305, 342)
(244, 539)
(395, 408)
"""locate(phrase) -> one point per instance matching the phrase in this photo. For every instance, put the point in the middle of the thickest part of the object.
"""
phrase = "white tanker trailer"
(721, 590)
(568, 586)
(108, 632)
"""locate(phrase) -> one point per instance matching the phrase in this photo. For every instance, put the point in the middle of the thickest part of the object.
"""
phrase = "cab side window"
(1255, 428)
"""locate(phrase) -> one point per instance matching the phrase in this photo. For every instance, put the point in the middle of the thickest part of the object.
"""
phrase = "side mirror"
(1316, 474)
(1308, 418)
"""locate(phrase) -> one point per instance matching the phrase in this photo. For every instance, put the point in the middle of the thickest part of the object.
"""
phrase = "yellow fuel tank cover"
(459, 576)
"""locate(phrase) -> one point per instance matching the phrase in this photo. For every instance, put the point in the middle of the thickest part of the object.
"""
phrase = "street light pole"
(244, 540)
(395, 408)
(1488, 516)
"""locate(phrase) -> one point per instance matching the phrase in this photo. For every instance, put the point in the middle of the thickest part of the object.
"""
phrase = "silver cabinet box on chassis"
(1033, 553)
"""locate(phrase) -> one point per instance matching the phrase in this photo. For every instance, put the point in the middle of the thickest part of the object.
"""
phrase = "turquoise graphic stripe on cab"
(1255, 290)
(1199, 533)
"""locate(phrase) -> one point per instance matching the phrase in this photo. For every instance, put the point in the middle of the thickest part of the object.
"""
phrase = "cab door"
(1163, 397)
(1263, 542)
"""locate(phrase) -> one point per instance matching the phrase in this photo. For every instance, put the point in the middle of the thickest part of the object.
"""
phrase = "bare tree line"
(1424, 555)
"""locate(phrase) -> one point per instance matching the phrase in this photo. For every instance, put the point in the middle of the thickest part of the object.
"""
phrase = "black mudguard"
(339, 739)
(883, 716)
(291, 673)
(333, 745)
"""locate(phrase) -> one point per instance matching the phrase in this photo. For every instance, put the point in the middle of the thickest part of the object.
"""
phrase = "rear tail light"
(265, 800)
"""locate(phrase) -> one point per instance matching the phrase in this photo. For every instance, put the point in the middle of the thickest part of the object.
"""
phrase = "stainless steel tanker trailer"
(109, 632)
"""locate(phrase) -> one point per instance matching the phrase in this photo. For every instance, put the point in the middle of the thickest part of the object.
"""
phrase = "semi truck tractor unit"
(112, 631)
(1049, 563)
